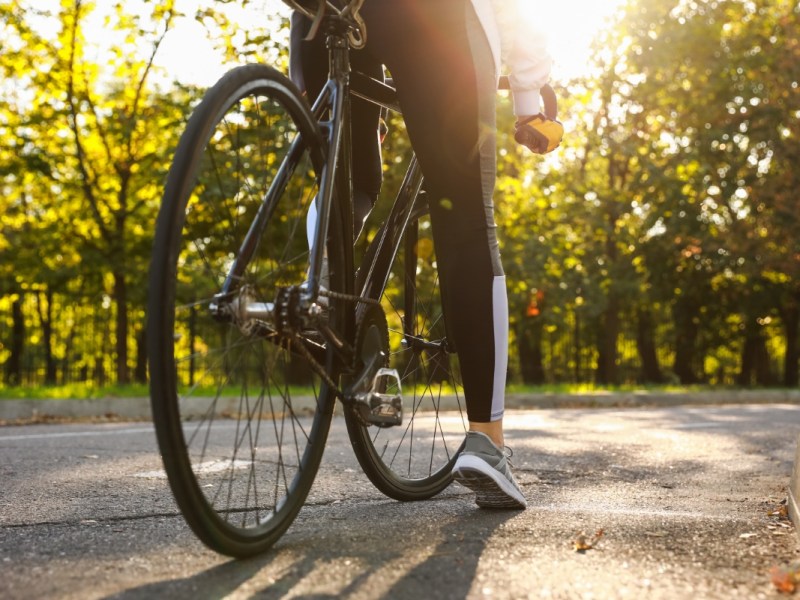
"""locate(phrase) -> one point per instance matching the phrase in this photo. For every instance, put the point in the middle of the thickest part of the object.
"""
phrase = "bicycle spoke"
(414, 460)
(239, 449)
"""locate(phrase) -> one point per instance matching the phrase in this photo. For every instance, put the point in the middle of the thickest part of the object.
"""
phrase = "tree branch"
(88, 191)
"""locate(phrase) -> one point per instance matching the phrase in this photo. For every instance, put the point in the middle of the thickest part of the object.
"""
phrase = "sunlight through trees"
(660, 243)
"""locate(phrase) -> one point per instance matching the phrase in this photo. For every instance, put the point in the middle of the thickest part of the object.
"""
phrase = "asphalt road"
(683, 496)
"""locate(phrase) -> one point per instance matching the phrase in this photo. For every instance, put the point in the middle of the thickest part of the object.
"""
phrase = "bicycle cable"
(357, 34)
(349, 297)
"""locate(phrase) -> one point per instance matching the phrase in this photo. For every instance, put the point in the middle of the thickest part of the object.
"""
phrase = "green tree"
(718, 80)
(93, 136)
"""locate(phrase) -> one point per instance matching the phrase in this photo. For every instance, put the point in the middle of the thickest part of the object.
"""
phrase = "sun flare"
(570, 26)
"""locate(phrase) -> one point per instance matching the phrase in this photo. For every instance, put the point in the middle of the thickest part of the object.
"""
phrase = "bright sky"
(570, 25)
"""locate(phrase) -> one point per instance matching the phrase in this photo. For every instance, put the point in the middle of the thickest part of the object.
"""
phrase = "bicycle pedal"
(379, 408)
(385, 410)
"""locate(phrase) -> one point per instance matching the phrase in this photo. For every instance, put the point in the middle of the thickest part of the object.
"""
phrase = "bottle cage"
(316, 10)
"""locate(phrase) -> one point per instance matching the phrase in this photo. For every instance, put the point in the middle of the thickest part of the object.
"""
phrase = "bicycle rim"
(413, 461)
(241, 420)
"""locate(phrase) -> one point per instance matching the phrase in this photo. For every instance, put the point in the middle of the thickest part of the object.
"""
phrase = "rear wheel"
(241, 413)
(413, 461)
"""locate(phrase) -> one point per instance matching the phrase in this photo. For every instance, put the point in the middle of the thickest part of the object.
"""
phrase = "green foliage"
(88, 133)
(673, 193)
(659, 243)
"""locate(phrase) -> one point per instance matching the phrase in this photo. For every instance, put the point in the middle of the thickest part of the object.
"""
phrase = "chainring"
(372, 336)
(371, 352)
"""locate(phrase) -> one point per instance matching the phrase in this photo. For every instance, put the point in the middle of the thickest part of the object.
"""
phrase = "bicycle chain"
(318, 368)
(349, 297)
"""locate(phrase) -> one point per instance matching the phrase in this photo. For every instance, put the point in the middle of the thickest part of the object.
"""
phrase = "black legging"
(443, 68)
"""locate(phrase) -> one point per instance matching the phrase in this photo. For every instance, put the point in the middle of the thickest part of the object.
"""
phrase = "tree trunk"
(607, 338)
(100, 375)
(763, 363)
(46, 322)
(17, 347)
(791, 360)
(121, 344)
(529, 345)
(685, 316)
(607, 334)
(140, 372)
(645, 343)
(755, 366)
(66, 362)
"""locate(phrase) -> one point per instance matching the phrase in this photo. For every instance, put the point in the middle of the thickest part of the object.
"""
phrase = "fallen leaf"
(782, 512)
(744, 536)
(656, 534)
(583, 542)
(785, 579)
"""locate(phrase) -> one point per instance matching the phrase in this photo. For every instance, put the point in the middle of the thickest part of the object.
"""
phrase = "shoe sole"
(492, 489)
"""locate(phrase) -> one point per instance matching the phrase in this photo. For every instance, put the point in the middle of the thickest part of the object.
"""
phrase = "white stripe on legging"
(500, 316)
(311, 223)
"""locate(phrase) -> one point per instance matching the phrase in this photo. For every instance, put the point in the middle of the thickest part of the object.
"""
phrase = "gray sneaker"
(484, 468)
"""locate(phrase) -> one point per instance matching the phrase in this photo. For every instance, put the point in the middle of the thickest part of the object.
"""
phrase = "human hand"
(538, 133)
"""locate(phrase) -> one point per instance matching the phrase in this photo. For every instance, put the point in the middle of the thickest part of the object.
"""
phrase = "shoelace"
(508, 453)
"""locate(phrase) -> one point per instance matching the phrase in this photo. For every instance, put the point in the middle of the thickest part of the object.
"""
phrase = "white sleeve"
(524, 54)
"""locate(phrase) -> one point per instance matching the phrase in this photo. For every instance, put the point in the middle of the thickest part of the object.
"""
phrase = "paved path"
(138, 408)
(683, 495)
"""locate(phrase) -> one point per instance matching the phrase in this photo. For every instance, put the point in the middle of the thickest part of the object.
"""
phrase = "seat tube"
(336, 181)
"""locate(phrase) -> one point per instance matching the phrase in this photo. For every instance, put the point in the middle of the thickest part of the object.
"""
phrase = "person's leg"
(493, 429)
(446, 84)
(308, 69)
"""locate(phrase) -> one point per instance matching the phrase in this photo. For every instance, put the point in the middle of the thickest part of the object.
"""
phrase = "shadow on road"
(216, 582)
(416, 554)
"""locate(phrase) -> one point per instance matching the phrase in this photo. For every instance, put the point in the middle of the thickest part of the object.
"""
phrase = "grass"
(83, 391)
(72, 391)
(88, 391)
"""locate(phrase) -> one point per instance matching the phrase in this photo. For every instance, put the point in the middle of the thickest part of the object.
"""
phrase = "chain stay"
(294, 338)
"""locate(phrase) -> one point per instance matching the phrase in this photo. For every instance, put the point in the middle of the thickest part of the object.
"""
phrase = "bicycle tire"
(414, 461)
(239, 447)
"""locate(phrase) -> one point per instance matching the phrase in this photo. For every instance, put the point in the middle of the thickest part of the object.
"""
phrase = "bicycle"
(256, 325)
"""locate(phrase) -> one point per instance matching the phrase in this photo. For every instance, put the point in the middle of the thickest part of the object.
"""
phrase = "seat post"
(338, 52)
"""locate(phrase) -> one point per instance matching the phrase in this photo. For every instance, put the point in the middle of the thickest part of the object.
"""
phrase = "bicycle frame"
(266, 330)
(331, 110)
(334, 99)
(336, 178)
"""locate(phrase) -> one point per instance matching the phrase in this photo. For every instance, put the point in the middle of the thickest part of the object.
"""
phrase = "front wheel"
(241, 414)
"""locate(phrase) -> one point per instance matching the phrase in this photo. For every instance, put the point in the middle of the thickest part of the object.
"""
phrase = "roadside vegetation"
(658, 246)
